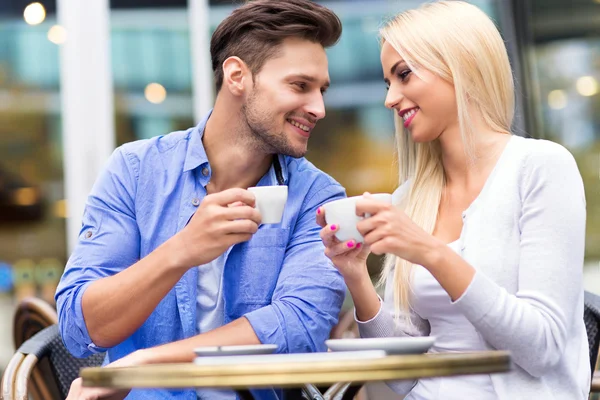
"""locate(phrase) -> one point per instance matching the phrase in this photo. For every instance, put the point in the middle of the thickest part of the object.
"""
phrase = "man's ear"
(235, 75)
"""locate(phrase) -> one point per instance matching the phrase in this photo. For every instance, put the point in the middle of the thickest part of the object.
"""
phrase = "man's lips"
(302, 126)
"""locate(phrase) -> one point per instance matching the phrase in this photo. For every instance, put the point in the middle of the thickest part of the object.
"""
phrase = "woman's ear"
(235, 73)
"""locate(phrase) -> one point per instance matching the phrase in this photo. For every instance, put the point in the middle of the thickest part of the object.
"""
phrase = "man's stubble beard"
(260, 125)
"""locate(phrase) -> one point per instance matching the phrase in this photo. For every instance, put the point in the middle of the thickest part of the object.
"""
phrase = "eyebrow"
(309, 78)
(393, 70)
(395, 66)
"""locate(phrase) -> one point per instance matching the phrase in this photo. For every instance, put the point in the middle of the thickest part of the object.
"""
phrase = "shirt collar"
(196, 155)
(284, 170)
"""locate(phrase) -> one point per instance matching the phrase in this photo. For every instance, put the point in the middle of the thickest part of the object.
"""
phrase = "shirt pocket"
(253, 267)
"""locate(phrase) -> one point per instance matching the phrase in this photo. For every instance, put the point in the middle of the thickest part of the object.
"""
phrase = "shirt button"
(88, 234)
(196, 202)
(205, 171)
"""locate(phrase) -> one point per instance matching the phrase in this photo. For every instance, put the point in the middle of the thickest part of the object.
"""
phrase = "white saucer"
(391, 345)
(242, 350)
(294, 358)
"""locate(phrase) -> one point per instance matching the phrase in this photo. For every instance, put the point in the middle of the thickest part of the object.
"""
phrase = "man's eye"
(301, 85)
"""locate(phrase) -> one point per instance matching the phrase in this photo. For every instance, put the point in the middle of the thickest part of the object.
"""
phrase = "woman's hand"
(350, 258)
(389, 230)
(78, 392)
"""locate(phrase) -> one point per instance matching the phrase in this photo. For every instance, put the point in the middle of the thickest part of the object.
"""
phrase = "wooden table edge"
(260, 375)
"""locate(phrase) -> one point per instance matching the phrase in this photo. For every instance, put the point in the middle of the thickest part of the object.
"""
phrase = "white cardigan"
(525, 236)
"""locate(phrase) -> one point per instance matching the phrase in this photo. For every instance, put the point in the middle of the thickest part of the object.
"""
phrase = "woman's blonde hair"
(459, 43)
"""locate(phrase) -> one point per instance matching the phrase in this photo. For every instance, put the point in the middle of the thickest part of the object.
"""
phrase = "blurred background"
(156, 52)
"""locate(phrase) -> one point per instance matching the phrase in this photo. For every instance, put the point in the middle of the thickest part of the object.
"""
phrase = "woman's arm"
(534, 322)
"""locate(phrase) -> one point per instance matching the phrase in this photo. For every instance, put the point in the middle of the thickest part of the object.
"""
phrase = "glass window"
(562, 61)
(151, 70)
(32, 224)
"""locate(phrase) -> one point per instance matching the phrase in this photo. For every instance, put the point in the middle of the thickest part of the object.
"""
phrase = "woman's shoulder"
(537, 152)
(545, 162)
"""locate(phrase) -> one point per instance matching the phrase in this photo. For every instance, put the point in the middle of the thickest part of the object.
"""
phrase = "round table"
(323, 372)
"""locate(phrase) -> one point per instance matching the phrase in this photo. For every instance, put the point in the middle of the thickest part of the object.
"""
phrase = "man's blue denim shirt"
(280, 280)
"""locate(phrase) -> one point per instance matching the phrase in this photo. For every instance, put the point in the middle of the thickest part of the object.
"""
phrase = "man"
(172, 255)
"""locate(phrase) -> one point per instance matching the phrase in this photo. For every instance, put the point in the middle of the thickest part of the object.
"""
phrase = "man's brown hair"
(254, 32)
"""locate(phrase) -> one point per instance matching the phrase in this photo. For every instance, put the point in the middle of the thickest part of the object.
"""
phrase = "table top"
(286, 374)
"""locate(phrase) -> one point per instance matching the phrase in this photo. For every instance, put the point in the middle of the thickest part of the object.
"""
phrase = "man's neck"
(234, 161)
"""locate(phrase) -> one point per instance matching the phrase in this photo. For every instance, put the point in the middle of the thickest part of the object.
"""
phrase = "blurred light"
(587, 86)
(155, 93)
(557, 99)
(60, 209)
(57, 34)
(34, 14)
(25, 196)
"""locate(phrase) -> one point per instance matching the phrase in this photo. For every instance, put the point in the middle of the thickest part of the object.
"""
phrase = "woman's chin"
(422, 138)
(418, 136)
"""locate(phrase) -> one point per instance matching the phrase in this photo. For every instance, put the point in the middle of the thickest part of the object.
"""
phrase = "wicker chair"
(41, 365)
(591, 315)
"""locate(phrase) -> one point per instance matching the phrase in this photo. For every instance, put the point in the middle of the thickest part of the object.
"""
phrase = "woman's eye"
(404, 74)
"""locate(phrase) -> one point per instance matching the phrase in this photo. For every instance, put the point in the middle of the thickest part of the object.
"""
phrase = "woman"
(485, 240)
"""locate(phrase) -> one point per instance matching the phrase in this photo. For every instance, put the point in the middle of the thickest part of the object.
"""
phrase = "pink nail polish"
(358, 246)
(319, 211)
(333, 227)
(350, 244)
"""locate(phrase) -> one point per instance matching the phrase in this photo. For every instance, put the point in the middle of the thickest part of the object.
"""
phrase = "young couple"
(484, 240)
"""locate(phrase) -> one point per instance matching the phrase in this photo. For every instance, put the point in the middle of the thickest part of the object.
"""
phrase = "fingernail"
(358, 246)
(319, 211)
(351, 244)
(333, 227)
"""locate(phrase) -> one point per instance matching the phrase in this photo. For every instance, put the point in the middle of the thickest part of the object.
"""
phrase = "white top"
(453, 332)
(210, 311)
(209, 298)
(525, 236)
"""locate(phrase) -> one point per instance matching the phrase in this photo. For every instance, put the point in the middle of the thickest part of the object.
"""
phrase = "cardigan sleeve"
(384, 324)
(533, 323)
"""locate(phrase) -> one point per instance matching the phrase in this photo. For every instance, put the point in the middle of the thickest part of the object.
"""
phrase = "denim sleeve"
(109, 242)
(310, 291)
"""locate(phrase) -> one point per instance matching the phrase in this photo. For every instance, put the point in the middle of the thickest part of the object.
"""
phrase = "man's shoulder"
(156, 145)
(303, 171)
(146, 157)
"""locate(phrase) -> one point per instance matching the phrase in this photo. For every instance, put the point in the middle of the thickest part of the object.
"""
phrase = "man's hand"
(78, 392)
(222, 220)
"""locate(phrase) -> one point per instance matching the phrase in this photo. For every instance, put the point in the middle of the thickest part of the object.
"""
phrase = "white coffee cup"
(270, 201)
(343, 214)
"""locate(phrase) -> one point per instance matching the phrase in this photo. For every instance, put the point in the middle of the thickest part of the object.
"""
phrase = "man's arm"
(238, 332)
(309, 293)
(112, 307)
(305, 306)
(100, 291)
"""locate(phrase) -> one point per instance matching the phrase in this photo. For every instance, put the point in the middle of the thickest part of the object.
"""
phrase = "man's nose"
(316, 106)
